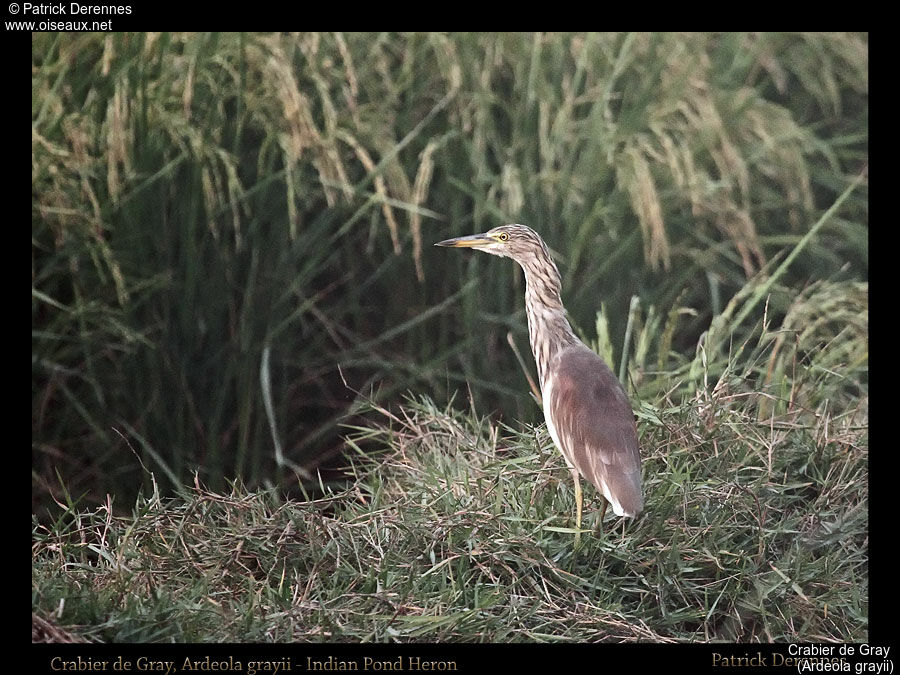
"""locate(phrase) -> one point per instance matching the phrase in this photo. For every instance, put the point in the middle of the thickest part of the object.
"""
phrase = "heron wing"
(595, 426)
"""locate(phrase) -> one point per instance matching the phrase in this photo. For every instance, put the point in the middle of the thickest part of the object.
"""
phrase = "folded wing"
(594, 425)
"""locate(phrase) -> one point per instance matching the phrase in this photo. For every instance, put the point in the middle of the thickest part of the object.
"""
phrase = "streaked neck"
(548, 329)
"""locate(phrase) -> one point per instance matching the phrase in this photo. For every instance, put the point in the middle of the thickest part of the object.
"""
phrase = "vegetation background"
(234, 289)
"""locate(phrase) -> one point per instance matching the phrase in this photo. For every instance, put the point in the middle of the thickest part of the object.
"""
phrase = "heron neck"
(548, 329)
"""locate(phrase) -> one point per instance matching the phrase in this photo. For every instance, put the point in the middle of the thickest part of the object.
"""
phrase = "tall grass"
(233, 289)
(200, 200)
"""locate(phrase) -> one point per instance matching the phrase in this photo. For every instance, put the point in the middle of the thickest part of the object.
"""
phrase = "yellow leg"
(578, 497)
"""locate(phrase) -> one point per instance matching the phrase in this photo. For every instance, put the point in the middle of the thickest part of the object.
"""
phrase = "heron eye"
(503, 236)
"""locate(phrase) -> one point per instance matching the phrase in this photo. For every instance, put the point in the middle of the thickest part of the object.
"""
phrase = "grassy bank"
(455, 527)
(233, 287)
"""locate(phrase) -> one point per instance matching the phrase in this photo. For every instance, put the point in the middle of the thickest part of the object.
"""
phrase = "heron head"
(510, 241)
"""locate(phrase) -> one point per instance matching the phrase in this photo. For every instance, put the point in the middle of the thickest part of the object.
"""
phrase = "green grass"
(201, 200)
(454, 527)
(232, 277)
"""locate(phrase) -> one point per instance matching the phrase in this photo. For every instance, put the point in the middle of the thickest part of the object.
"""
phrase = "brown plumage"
(595, 427)
(587, 411)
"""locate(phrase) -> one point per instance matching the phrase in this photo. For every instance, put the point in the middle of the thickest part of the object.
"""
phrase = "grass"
(206, 204)
(454, 527)
(231, 276)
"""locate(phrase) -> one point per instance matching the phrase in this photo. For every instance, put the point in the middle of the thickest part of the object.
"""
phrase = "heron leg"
(602, 514)
(578, 498)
